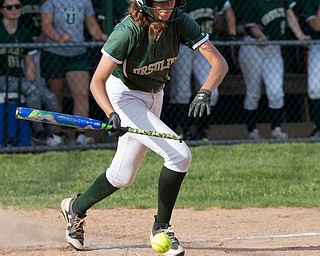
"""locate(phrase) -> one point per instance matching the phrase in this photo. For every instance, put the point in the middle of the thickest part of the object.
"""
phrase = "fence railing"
(227, 125)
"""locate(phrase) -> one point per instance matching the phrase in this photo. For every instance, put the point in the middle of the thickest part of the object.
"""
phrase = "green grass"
(236, 176)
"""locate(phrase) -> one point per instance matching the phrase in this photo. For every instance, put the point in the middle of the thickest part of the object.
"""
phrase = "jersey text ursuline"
(158, 66)
(272, 15)
(202, 13)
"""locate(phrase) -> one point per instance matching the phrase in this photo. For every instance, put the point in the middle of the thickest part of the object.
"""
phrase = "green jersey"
(311, 8)
(30, 16)
(204, 13)
(239, 7)
(270, 15)
(143, 62)
(10, 58)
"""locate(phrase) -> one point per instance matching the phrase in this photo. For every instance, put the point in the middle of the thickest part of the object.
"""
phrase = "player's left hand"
(115, 121)
(200, 104)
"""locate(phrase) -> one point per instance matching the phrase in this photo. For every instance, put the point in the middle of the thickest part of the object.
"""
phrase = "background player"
(128, 85)
(312, 9)
(266, 20)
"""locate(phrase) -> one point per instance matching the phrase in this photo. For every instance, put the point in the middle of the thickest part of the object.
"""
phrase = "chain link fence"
(226, 125)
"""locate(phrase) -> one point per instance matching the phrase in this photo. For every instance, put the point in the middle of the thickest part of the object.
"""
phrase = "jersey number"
(13, 61)
(283, 27)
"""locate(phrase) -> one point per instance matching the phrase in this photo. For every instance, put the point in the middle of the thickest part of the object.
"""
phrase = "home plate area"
(270, 231)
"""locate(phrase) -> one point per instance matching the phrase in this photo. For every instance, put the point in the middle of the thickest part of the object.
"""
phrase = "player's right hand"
(200, 104)
(115, 121)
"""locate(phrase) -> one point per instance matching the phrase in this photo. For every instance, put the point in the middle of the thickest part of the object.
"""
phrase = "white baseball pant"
(142, 110)
(262, 64)
(313, 72)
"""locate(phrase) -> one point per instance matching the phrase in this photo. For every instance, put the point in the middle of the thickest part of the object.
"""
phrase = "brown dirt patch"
(283, 231)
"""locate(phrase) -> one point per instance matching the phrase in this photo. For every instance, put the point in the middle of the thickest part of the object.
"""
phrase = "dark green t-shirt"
(311, 8)
(30, 16)
(239, 7)
(270, 15)
(204, 13)
(144, 63)
(10, 58)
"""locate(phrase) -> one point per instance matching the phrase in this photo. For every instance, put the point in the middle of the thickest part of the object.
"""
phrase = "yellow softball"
(161, 243)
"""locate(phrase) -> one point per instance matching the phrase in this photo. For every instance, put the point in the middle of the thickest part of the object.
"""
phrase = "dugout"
(229, 114)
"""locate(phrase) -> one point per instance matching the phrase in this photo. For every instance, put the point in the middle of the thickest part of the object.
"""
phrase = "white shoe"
(55, 140)
(84, 140)
(315, 134)
(255, 135)
(75, 224)
(176, 248)
(278, 134)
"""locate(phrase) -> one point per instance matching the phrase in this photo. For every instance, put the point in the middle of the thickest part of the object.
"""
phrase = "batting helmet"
(145, 6)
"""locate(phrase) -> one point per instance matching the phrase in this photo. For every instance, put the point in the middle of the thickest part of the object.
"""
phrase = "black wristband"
(112, 113)
(206, 91)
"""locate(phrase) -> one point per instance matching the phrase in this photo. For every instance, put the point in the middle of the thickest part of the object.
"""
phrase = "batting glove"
(116, 129)
(200, 104)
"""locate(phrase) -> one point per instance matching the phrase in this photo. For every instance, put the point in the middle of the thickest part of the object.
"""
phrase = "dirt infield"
(284, 231)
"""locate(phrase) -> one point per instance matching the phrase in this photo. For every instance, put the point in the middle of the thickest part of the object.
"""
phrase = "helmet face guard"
(145, 6)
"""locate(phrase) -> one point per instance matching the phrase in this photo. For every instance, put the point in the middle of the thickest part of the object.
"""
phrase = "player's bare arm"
(231, 22)
(257, 33)
(218, 63)
(97, 85)
(219, 68)
(30, 67)
(295, 27)
(94, 29)
(315, 22)
(49, 31)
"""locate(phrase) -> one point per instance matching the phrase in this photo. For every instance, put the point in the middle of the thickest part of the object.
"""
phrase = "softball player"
(192, 64)
(266, 20)
(312, 11)
(128, 85)
(13, 70)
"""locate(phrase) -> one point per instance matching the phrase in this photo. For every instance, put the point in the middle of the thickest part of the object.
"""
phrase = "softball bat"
(82, 122)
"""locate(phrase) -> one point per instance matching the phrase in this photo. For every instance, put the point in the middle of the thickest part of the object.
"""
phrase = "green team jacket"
(270, 15)
(144, 63)
(30, 16)
(311, 8)
(204, 13)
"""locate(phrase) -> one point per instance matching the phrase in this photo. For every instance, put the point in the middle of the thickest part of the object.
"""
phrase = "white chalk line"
(147, 245)
(253, 237)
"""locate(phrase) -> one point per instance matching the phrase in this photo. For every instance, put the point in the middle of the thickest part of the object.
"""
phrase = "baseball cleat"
(315, 134)
(83, 139)
(255, 135)
(176, 248)
(278, 134)
(75, 223)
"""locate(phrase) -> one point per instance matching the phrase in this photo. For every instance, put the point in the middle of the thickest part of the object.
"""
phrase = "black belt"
(155, 90)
